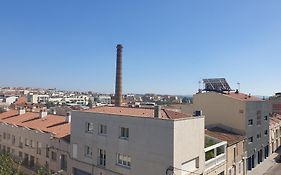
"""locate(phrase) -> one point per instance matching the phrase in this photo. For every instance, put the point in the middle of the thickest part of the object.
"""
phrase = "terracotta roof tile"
(51, 123)
(222, 134)
(19, 119)
(8, 114)
(137, 112)
(243, 97)
(21, 100)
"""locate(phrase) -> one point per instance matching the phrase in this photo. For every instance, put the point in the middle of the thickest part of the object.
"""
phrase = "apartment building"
(37, 98)
(274, 132)
(36, 139)
(236, 162)
(136, 141)
(242, 114)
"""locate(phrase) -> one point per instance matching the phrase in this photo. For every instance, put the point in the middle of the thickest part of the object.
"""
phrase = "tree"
(8, 166)
(90, 103)
(43, 171)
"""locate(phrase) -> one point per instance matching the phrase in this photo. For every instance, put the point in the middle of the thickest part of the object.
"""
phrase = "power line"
(172, 169)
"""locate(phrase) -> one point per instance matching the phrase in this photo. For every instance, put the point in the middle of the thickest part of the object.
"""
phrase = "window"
(90, 127)
(21, 142)
(102, 157)
(220, 150)
(124, 133)
(265, 132)
(265, 117)
(123, 160)
(32, 162)
(258, 117)
(103, 129)
(63, 164)
(8, 136)
(88, 151)
(209, 155)
(20, 154)
(250, 140)
(32, 143)
(250, 122)
(239, 167)
(27, 142)
(259, 136)
(54, 156)
(25, 159)
(234, 153)
(4, 135)
(47, 151)
(13, 139)
(39, 146)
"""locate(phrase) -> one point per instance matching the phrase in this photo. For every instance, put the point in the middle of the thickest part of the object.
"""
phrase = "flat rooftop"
(138, 112)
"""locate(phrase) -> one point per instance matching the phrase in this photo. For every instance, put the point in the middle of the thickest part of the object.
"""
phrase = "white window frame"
(124, 160)
(88, 151)
(124, 133)
(89, 127)
(103, 129)
(102, 157)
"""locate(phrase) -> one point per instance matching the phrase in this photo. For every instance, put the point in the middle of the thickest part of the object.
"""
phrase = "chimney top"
(119, 46)
(68, 117)
(21, 111)
(157, 111)
(43, 113)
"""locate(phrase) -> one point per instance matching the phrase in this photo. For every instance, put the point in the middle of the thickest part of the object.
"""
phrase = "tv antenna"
(238, 85)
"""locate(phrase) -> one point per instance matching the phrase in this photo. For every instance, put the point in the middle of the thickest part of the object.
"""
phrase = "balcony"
(215, 152)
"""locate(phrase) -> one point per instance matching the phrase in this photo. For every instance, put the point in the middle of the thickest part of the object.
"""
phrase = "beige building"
(37, 98)
(242, 114)
(36, 139)
(236, 162)
(136, 141)
(274, 132)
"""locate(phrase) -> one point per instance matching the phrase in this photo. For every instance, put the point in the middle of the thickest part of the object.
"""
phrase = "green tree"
(43, 171)
(8, 166)
(90, 103)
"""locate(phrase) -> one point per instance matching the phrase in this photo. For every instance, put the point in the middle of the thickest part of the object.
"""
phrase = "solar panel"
(216, 84)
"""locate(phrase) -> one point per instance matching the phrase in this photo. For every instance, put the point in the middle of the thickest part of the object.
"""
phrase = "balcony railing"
(215, 161)
(215, 154)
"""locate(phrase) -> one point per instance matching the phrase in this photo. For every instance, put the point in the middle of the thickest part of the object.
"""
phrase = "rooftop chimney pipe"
(118, 83)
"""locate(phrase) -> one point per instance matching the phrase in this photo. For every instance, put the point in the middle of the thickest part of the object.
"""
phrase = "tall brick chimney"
(118, 83)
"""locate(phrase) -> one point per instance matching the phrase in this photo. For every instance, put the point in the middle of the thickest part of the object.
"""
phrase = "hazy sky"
(168, 45)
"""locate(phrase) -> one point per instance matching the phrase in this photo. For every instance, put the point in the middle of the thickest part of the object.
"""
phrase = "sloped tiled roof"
(51, 123)
(243, 97)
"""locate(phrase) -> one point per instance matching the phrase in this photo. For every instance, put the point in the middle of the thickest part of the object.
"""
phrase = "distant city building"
(37, 98)
(103, 99)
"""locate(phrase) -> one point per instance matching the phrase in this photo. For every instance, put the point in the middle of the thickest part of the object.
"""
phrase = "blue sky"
(168, 45)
